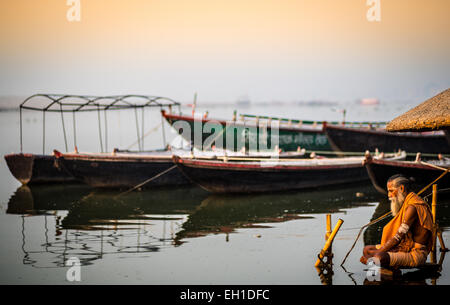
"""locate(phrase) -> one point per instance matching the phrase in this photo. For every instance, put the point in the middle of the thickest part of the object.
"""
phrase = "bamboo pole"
(433, 212)
(329, 242)
(434, 202)
(327, 235)
(437, 233)
(441, 241)
(328, 232)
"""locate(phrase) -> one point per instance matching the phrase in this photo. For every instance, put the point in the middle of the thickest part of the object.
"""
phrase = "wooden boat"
(349, 139)
(380, 171)
(248, 134)
(128, 169)
(268, 176)
(32, 169)
(42, 168)
(253, 132)
(121, 170)
(36, 169)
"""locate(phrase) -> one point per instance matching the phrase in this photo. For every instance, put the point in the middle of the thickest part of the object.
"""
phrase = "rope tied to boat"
(147, 181)
(446, 170)
(144, 136)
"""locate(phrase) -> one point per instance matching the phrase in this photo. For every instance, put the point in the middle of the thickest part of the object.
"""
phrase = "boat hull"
(380, 171)
(246, 179)
(122, 172)
(348, 139)
(37, 169)
(289, 139)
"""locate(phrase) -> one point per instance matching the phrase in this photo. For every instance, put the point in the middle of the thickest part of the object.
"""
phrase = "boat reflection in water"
(59, 222)
(222, 213)
(35, 200)
(78, 221)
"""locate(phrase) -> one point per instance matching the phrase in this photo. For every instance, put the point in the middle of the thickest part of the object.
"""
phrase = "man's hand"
(363, 260)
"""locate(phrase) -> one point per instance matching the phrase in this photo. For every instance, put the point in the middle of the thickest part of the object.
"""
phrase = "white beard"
(396, 203)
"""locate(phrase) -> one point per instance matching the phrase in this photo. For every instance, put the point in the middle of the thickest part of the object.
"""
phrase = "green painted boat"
(253, 135)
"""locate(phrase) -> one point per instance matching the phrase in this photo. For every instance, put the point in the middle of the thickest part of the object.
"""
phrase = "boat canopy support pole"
(142, 127)
(137, 128)
(43, 133)
(163, 132)
(100, 130)
(106, 133)
(74, 131)
(21, 140)
(64, 128)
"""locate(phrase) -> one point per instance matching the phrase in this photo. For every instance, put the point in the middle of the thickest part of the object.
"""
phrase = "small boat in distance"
(269, 176)
(350, 139)
(369, 101)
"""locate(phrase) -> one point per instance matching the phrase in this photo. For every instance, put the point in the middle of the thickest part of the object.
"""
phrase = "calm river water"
(183, 235)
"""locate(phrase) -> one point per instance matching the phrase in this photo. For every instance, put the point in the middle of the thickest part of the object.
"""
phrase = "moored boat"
(350, 139)
(235, 135)
(380, 171)
(122, 170)
(128, 169)
(36, 169)
(257, 132)
(31, 168)
(268, 176)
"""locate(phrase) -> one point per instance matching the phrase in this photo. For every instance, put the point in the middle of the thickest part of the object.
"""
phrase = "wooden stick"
(329, 242)
(434, 203)
(433, 212)
(328, 232)
(441, 241)
(327, 235)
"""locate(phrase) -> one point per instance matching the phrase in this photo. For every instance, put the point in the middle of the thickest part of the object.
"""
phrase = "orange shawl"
(424, 216)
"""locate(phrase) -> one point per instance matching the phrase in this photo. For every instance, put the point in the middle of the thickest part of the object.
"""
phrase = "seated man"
(407, 238)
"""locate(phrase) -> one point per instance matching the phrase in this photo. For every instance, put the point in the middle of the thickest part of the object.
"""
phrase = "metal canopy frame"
(63, 103)
(77, 103)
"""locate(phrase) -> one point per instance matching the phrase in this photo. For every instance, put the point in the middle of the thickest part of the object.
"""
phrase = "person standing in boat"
(407, 239)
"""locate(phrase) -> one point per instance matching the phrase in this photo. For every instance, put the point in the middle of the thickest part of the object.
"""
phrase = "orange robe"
(425, 219)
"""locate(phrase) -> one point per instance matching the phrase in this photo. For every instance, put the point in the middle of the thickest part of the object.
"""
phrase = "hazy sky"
(269, 50)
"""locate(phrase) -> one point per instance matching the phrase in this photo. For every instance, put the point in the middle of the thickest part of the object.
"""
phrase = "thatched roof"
(433, 114)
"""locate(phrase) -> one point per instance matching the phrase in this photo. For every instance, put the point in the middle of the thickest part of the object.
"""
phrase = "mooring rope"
(145, 135)
(446, 170)
(147, 181)
(440, 190)
(360, 231)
